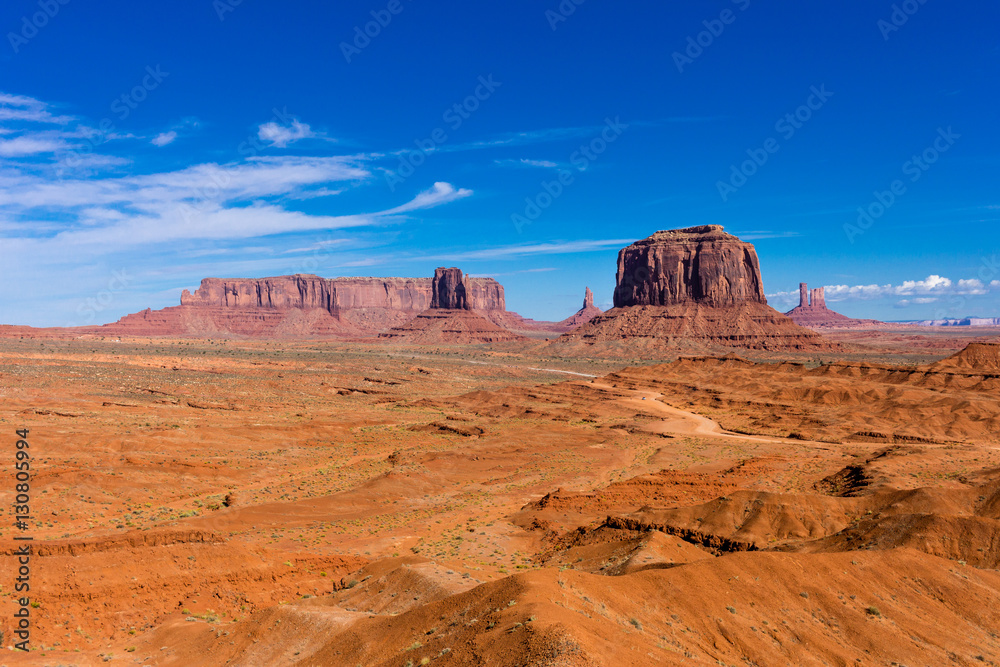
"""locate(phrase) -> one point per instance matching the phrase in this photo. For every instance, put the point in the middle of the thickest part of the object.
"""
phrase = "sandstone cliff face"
(308, 292)
(698, 265)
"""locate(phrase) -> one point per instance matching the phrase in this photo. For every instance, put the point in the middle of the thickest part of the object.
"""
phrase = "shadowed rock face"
(698, 265)
(449, 290)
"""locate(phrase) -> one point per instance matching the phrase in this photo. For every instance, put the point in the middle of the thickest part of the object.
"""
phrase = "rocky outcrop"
(702, 265)
(975, 358)
(812, 312)
(692, 289)
(448, 290)
(438, 326)
(582, 316)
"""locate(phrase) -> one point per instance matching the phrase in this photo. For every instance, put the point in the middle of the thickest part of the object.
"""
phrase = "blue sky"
(144, 146)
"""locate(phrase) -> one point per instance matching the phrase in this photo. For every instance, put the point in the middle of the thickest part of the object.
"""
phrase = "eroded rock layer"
(450, 326)
(698, 327)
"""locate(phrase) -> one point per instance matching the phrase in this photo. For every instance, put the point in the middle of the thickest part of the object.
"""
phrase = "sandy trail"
(681, 422)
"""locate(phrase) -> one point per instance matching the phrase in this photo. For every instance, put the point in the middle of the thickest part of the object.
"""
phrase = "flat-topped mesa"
(448, 291)
(309, 292)
(697, 265)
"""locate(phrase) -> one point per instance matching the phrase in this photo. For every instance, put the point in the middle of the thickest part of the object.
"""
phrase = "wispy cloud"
(30, 110)
(441, 193)
(550, 248)
(523, 162)
(760, 235)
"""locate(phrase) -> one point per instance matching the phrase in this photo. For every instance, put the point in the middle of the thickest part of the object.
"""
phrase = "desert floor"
(218, 502)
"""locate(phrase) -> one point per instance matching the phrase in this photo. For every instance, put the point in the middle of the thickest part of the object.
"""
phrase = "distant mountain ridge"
(962, 322)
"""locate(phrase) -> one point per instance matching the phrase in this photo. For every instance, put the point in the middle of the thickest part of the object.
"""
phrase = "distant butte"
(812, 312)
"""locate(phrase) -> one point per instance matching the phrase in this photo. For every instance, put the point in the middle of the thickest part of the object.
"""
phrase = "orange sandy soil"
(320, 503)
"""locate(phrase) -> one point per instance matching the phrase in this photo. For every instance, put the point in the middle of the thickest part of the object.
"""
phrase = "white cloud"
(206, 201)
(441, 193)
(920, 286)
(282, 135)
(972, 286)
(164, 138)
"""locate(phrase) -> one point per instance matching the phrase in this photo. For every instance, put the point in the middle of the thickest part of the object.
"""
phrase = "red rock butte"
(692, 288)
(812, 312)
(684, 266)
